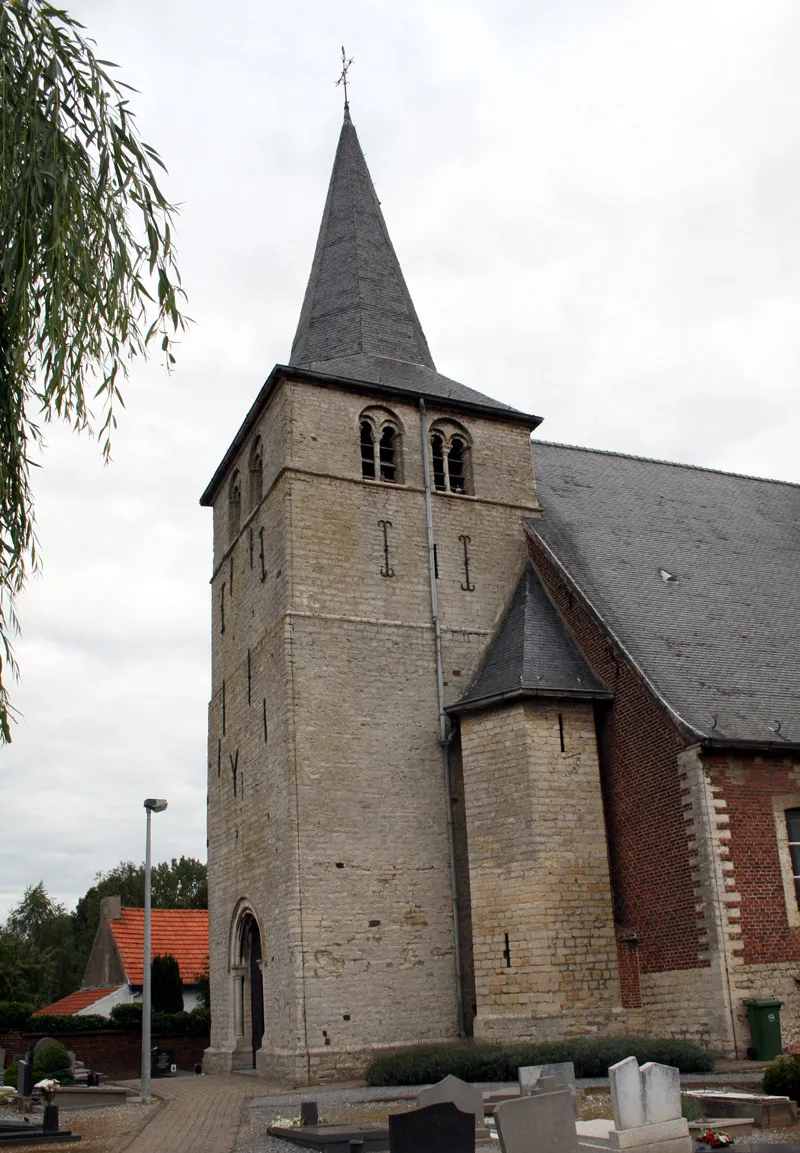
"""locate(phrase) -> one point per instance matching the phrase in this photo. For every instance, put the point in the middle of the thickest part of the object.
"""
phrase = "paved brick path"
(198, 1115)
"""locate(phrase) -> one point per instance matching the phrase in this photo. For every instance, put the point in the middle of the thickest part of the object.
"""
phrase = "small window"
(456, 465)
(235, 506)
(439, 479)
(367, 450)
(793, 832)
(256, 472)
(381, 442)
(450, 453)
(388, 449)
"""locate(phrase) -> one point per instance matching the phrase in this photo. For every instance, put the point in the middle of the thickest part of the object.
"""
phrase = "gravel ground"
(101, 1130)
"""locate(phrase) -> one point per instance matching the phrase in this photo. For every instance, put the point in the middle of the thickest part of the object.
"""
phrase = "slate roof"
(358, 320)
(183, 933)
(719, 643)
(74, 1002)
(532, 654)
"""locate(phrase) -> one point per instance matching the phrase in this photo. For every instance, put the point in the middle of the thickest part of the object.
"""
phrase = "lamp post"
(152, 805)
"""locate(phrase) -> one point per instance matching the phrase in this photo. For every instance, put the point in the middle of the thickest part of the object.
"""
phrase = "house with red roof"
(114, 972)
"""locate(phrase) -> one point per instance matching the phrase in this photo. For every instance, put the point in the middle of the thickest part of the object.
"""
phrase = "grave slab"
(547, 1078)
(333, 1138)
(540, 1123)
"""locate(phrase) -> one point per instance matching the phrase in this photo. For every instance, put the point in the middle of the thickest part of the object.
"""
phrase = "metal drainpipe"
(444, 740)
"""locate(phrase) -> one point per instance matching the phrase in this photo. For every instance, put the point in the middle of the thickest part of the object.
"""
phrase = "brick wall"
(115, 1054)
(648, 839)
(629, 983)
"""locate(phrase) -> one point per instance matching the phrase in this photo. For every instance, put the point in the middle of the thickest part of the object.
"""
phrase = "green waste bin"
(764, 1018)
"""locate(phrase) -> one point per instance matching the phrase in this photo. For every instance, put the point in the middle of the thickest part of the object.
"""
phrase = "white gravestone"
(661, 1092)
(540, 1123)
(627, 1097)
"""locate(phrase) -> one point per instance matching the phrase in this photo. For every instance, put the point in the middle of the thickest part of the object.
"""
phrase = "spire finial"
(343, 79)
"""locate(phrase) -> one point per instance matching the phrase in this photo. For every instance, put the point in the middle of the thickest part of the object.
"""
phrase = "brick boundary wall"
(116, 1054)
(649, 852)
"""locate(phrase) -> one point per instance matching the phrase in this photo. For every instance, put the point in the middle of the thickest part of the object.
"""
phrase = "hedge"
(782, 1079)
(15, 1015)
(424, 1064)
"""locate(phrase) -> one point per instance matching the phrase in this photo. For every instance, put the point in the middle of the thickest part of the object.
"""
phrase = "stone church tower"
(369, 818)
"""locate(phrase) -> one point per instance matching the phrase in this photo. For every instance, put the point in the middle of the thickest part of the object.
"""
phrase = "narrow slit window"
(437, 449)
(256, 473)
(367, 450)
(793, 832)
(456, 465)
(388, 454)
(234, 506)
(561, 731)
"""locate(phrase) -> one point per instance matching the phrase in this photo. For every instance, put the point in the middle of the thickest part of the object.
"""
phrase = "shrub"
(167, 985)
(11, 1075)
(14, 1014)
(481, 1062)
(782, 1078)
(51, 1058)
(66, 1023)
(127, 1016)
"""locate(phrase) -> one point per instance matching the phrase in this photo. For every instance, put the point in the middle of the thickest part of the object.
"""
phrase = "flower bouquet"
(48, 1088)
(714, 1139)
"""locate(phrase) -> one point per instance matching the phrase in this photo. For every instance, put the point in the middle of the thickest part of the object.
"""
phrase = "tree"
(167, 985)
(38, 963)
(88, 274)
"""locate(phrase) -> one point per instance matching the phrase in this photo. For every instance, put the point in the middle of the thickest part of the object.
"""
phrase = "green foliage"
(37, 956)
(15, 1014)
(481, 1062)
(64, 1023)
(11, 1075)
(167, 985)
(129, 1016)
(52, 1060)
(85, 254)
(782, 1077)
(204, 986)
(691, 1109)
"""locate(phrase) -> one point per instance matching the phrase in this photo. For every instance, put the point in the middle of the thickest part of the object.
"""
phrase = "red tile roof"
(76, 1001)
(183, 933)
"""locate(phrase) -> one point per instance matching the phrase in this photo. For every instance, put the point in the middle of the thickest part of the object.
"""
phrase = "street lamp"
(152, 805)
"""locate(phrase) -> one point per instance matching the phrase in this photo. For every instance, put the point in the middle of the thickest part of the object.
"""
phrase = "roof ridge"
(660, 460)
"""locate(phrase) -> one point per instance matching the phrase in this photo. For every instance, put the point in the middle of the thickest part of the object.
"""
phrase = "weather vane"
(343, 78)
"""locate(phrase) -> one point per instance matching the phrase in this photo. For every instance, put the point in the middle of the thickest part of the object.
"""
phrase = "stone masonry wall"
(339, 843)
(543, 932)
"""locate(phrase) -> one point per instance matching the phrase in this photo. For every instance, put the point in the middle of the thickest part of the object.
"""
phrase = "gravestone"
(40, 1044)
(438, 1128)
(2, 1058)
(25, 1077)
(548, 1078)
(464, 1096)
(544, 1122)
(309, 1113)
(162, 1061)
(661, 1092)
(627, 1098)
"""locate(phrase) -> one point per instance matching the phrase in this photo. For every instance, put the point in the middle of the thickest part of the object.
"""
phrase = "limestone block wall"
(339, 842)
(543, 934)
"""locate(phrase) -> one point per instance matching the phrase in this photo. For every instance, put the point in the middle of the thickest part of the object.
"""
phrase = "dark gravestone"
(309, 1114)
(163, 1060)
(25, 1077)
(434, 1129)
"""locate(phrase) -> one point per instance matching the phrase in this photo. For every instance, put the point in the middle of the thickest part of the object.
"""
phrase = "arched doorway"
(251, 955)
(247, 986)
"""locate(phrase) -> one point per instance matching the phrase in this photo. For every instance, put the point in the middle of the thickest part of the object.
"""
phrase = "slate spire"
(356, 302)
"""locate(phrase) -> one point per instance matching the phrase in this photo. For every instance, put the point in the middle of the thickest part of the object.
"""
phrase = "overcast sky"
(596, 204)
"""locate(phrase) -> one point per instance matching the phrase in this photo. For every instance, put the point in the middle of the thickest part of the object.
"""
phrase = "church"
(504, 735)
